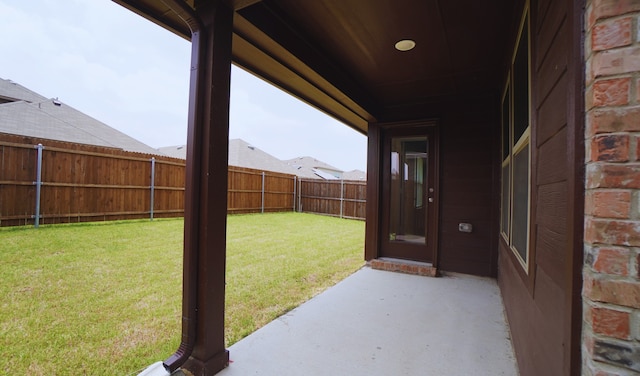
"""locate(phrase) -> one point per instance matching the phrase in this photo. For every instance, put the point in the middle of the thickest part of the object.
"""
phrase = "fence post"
(295, 181)
(341, 196)
(153, 186)
(38, 184)
(300, 196)
(262, 210)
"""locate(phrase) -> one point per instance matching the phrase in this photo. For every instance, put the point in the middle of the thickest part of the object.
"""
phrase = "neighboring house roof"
(243, 154)
(30, 114)
(310, 162)
(177, 151)
(314, 166)
(354, 175)
(11, 92)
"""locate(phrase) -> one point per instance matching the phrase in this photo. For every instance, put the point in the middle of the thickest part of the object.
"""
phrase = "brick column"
(611, 288)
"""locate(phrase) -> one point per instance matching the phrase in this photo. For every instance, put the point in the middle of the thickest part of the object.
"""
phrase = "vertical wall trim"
(576, 71)
(371, 247)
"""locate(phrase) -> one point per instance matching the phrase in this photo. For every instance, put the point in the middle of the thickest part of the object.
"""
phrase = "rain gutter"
(190, 276)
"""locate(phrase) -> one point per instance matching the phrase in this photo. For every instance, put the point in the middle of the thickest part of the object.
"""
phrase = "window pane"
(504, 215)
(521, 202)
(521, 86)
(505, 126)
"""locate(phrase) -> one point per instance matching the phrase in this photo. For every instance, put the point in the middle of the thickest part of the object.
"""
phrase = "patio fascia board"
(261, 55)
(271, 62)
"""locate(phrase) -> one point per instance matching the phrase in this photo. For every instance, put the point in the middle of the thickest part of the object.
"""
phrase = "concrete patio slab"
(383, 323)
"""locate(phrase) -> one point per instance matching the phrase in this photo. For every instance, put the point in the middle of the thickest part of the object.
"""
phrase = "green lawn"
(105, 298)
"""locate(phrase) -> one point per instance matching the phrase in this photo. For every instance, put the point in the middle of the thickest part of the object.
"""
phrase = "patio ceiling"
(339, 55)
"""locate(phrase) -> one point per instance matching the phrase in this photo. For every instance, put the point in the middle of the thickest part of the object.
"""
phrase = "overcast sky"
(133, 75)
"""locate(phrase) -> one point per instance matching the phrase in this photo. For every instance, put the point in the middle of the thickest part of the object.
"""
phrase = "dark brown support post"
(202, 351)
(372, 215)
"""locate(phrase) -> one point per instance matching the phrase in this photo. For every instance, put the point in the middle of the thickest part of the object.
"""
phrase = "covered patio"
(475, 165)
(384, 323)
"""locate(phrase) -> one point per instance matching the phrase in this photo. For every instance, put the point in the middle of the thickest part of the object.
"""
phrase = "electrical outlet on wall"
(465, 227)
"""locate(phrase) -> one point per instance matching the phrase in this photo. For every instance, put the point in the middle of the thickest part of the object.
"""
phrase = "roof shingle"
(27, 113)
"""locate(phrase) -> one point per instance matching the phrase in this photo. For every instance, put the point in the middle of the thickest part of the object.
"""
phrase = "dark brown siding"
(540, 305)
(468, 158)
(536, 325)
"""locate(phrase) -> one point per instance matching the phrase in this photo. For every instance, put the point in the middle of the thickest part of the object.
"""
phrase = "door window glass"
(407, 194)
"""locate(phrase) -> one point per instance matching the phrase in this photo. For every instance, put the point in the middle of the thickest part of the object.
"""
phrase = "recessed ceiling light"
(405, 45)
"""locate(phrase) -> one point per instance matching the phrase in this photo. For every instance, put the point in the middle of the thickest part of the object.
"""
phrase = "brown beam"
(239, 4)
(372, 215)
(159, 14)
(274, 23)
(202, 351)
(211, 147)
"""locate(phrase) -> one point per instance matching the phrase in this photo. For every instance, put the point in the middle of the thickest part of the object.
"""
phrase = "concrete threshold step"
(404, 266)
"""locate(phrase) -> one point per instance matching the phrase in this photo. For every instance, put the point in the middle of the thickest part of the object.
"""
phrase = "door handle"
(430, 199)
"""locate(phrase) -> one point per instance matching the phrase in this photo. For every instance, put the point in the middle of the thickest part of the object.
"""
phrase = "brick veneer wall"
(611, 286)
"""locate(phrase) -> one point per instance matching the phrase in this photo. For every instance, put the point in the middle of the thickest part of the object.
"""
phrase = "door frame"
(432, 216)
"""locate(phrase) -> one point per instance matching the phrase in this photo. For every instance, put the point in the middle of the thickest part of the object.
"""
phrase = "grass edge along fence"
(48, 182)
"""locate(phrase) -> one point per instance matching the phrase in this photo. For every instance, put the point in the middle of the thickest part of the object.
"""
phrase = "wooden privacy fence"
(255, 191)
(339, 198)
(47, 182)
(62, 182)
